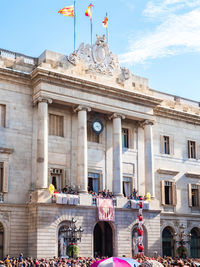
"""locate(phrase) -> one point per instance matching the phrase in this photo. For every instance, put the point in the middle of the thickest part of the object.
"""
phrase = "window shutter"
(162, 185)
(63, 182)
(174, 194)
(199, 196)
(49, 176)
(171, 145)
(161, 144)
(189, 156)
(5, 177)
(189, 195)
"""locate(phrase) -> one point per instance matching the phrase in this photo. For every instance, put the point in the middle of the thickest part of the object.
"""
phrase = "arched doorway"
(1, 240)
(195, 243)
(62, 241)
(134, 240)
(167, 242)
(103, 239)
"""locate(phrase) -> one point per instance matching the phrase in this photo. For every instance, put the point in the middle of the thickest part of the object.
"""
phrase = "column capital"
(145, 123)
(80, 107)
(42, 99)
(116, 115)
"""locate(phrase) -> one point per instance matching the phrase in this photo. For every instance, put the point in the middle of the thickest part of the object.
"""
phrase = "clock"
(97, 126)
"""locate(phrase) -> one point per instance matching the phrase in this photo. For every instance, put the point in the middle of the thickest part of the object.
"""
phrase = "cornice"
(42, 75)
(5, 150)
(192, 175)
(167, 172)
(15, 76)
(177, 115)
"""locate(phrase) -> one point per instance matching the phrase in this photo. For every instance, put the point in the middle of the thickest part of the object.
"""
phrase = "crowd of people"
(86, 262)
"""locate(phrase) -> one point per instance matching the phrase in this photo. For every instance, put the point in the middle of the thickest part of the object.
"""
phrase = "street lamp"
(72, 233)
(182, 238)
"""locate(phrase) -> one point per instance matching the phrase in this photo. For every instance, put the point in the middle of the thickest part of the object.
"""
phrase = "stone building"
(82, 121)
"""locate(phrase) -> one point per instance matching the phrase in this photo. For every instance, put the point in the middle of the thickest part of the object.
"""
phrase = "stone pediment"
(98, 59)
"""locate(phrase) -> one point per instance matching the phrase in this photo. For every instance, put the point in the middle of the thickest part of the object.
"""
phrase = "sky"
(155, 39)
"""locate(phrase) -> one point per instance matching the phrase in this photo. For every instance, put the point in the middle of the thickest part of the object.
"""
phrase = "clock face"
(97, 126)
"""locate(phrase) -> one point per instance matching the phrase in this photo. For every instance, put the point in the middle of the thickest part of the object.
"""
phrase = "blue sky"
(156, 39)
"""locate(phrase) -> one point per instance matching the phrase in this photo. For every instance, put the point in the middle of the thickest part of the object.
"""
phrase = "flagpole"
(74, 25)
(91, 31)
(107, 29)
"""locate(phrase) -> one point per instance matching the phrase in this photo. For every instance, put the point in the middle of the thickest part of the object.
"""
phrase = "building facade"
(85, 122)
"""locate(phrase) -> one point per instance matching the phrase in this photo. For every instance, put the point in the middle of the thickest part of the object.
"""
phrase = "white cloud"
(177, 34)
(163, 8)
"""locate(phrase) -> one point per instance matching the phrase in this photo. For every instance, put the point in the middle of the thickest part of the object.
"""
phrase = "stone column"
(42, 143)
(149, 158)
(82, 175)
(117, 154)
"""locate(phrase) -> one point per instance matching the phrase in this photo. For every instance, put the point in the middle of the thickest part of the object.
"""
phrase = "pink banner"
(105, 209)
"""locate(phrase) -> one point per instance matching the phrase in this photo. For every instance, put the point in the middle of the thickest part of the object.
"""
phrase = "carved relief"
(4, 216)
(98, 59)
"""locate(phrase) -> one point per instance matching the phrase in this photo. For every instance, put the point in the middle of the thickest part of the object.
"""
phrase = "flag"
(105, 22)
(88, 12)
(67, 11)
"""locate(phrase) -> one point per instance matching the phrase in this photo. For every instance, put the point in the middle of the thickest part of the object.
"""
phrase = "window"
(191, 149)
(2, 116)
(91, 135)
(166, 144)
(126, 186)
(56, 125)
(166, 148)
(93, 182)
(168, 193)
(3, 177)
(125, 141)
(57, 178)
(194, 195)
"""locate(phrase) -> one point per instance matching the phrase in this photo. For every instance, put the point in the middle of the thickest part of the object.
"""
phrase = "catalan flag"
(105, 22)
(88, 12)
(67, 11)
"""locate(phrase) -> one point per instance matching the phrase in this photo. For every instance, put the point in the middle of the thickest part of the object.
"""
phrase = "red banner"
(105, 209)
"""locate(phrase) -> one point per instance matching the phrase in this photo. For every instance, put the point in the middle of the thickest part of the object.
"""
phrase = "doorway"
(167, 242)
(1, 240)
(103, 240)
(195, 243)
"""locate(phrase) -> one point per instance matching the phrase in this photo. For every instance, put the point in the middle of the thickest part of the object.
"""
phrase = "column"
(149, 158)
(42, 143)
(82, 172)
(140, 161)
(117, 154)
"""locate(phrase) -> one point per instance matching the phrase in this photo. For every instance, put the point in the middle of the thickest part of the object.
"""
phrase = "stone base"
(122, 202)
(85, 199)
(41, 196)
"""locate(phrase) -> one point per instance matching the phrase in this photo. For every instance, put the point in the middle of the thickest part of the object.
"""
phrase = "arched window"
(167, 242)
(195, 243)
(1, 240)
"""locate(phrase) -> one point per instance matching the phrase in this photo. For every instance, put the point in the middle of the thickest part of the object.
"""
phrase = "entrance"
(103, 240)
(1, 240)
(195, 243)
(167, 242)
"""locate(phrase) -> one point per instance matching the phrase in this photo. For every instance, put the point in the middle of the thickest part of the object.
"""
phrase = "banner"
(105, 209)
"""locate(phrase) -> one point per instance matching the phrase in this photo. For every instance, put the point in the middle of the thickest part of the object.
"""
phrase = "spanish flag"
(67, 11)
(88, 12)
(105, 22)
